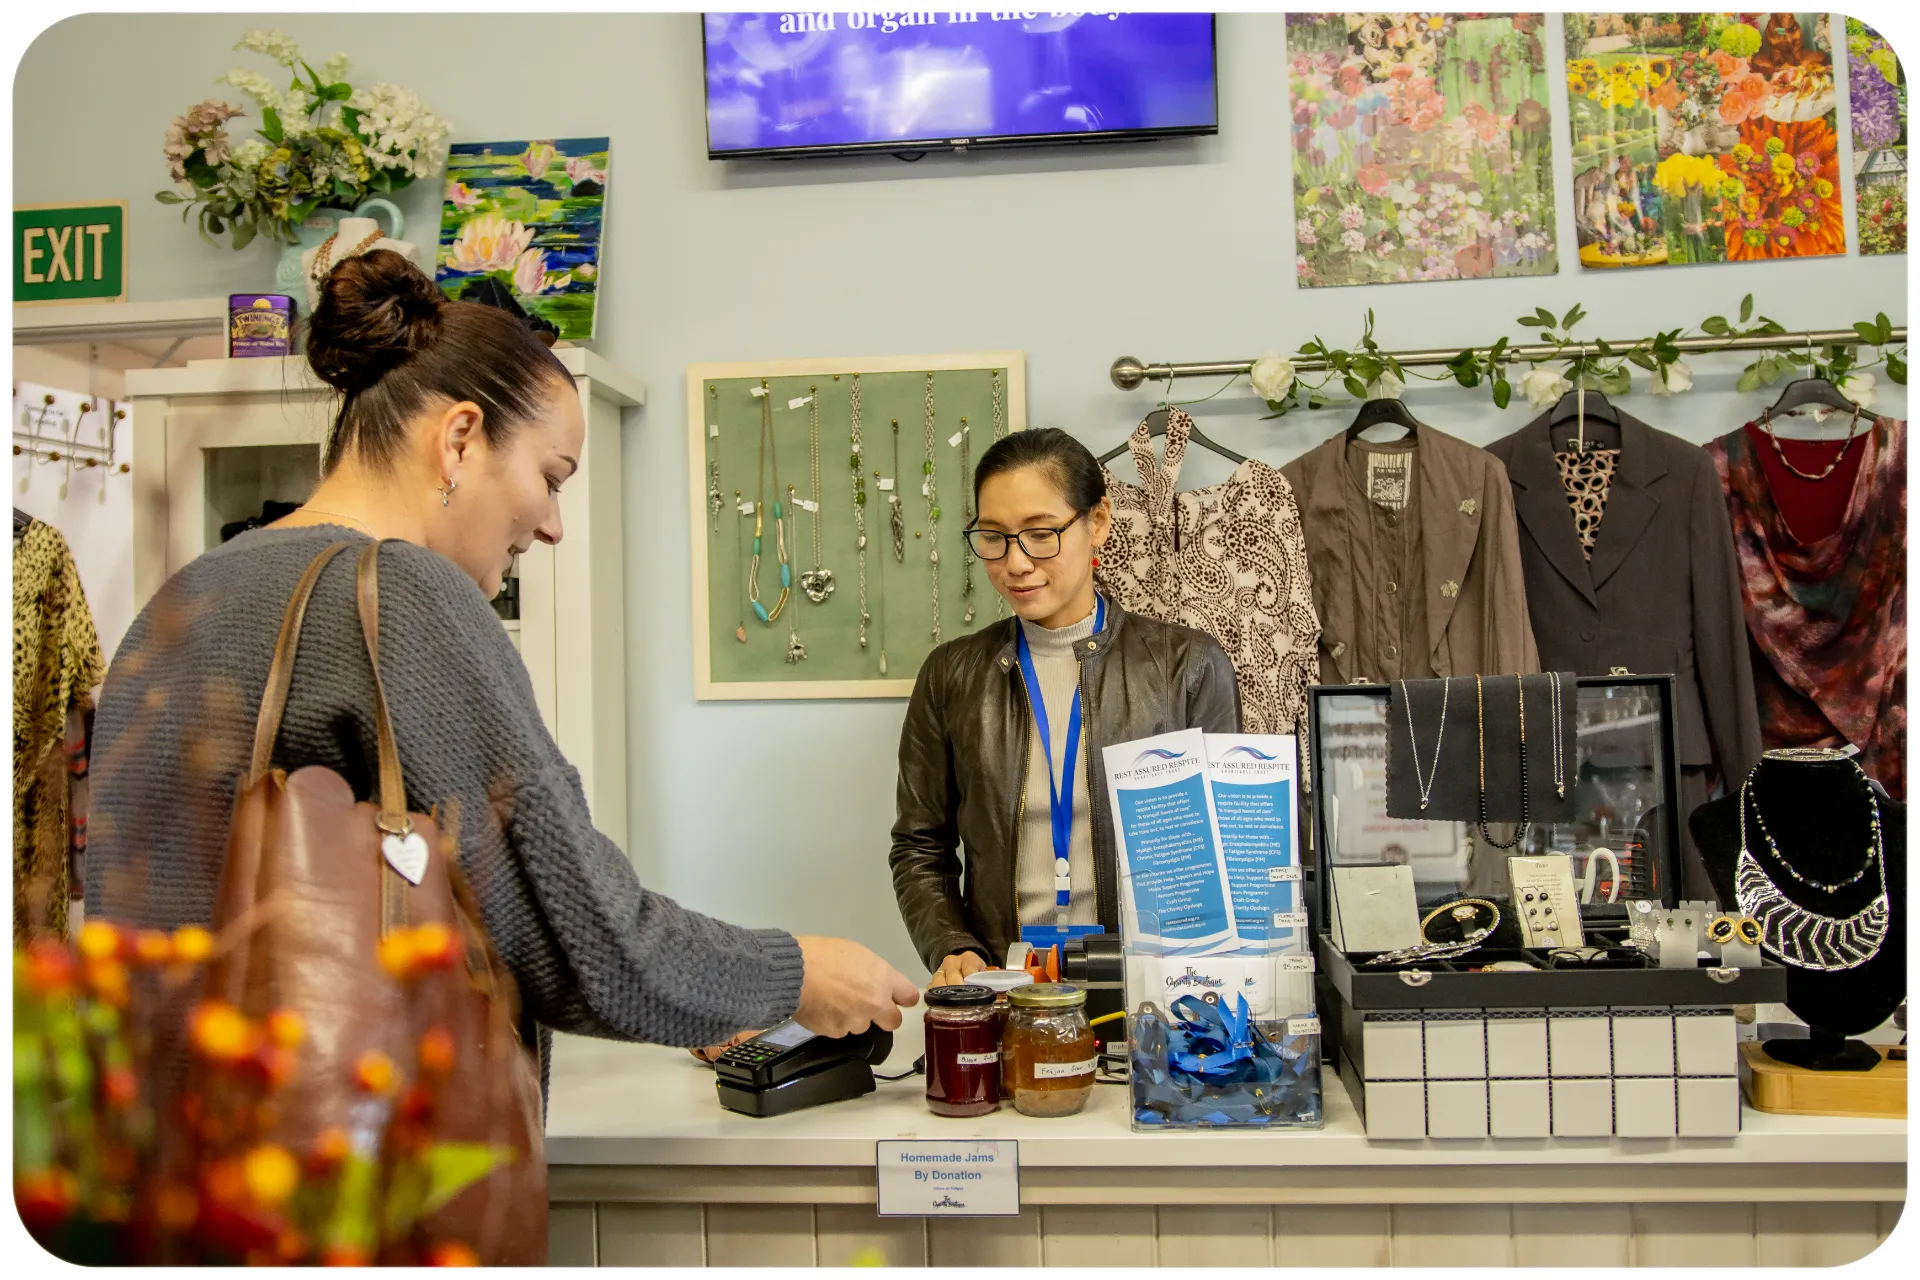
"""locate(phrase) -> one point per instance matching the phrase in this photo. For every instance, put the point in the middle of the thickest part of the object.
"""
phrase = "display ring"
(1462, 909)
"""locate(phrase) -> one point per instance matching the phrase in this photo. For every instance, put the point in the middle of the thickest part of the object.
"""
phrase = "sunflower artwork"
(1703, 137)
(526, 217)
(1422, 147)
(1877, 102)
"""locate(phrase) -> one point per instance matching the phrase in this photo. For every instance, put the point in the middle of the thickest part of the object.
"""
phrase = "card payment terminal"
(789, 1068)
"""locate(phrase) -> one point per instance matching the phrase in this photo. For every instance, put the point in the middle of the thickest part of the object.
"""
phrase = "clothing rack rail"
(1129, 373)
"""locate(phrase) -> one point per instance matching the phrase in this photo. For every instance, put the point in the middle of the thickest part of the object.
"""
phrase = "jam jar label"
(1061, 1070)
(977, 1059)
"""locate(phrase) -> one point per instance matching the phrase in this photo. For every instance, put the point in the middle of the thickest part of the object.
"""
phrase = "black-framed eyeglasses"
(1037, 544)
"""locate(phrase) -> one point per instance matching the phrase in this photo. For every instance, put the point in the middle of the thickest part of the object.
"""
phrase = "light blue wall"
(1179, 251)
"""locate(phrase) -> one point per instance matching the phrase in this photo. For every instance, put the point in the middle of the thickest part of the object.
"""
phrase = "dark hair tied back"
(389, 340)
(1070, 464)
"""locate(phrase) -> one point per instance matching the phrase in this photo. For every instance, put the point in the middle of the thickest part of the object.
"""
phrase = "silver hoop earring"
(446, 491)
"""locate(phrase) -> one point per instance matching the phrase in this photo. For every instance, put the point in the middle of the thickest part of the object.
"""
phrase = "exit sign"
(70, 253)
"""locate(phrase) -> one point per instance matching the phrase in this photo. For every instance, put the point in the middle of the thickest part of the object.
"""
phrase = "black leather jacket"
(963, 766)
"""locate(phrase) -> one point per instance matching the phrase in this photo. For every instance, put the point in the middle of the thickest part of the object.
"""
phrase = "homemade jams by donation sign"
(1219, 975)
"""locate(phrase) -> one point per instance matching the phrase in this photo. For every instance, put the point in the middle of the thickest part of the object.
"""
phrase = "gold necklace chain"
(341, 515)
(323, 263)
(1853, 424)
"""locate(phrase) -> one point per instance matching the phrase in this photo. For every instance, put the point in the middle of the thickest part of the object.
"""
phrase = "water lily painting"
(525, 217)
(1422, 147)
(1877, 97)
(1703, 137)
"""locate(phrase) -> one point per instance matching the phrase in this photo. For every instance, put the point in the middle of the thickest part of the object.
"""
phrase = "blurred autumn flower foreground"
(119, 1157)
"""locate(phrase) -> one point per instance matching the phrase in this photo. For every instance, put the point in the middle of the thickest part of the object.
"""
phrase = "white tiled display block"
(1709, 1107)
(1396, 1109)
(1456, 1108)
(1517, 1048)
(1644, 1107)
(1392, 1050)
(1579, 1046)
(1704, 1045)
(1520, 1108)
(1456, 1049)
(1583, 1108)
(1642, 1045)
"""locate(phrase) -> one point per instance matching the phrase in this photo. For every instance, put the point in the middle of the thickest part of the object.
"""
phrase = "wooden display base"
(1878, 1094)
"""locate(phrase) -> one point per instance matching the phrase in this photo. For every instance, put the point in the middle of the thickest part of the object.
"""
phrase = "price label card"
(953, 441)
(713, 430)
(1283, 875)
(795, 404)
(948, 1179)
(1289, 919)
(886, 483)
(1296, 964)
(756, 391)
(1303, 1026)
(805, 505)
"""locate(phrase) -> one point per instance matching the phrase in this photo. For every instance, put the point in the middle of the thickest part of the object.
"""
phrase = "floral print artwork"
(1703, 137)
(525, 217)
(1877, 97)
(1422, 147)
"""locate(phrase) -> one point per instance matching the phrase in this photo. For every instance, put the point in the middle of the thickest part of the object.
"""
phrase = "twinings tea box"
(259, 324)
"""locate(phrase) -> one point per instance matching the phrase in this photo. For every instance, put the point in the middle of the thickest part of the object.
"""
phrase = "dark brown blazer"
(1662, 593)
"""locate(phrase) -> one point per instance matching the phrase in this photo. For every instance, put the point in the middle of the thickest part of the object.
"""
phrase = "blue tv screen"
(827, 83)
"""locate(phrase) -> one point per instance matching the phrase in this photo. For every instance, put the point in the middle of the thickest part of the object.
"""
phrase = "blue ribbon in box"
(1209, 1065)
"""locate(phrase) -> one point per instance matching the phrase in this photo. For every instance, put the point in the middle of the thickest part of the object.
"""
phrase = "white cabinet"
(212, 440)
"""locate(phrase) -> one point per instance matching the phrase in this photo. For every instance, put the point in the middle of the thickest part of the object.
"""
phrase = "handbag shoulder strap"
(273, 703)
(393, 789)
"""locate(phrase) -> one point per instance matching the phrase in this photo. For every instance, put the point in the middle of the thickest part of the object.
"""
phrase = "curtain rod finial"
(1128, 373)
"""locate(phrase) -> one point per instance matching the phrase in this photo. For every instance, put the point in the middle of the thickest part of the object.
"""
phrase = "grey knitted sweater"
(593, 951)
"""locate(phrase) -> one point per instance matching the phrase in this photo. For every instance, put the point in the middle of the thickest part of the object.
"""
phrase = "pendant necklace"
(1558, 727)
(714, 501)
(817, 582)
(859, 504)
(1853, 423)
(999, 433)
(1406, 700)
(966, 514)
(760, 611)
(739, 560)
(1801, 936)
(931, 492)
(897, 519)
(796, 652)
(323, 261)
(1520, 831)
(895, 500)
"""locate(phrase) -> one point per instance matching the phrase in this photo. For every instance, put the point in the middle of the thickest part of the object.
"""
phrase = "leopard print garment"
(1230, 560)
(1587, 478)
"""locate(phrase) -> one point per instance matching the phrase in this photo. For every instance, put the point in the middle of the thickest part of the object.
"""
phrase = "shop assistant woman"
(1002, 811)
(456, 432)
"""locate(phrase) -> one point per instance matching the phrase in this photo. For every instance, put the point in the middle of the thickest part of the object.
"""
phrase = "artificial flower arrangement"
(1368, 373)
(321, 143)
(106, 1175)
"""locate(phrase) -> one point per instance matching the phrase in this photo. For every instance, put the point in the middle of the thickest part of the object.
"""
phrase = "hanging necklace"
(796, 652)
(341, 515)
(859, 504)
(1426, 784)
(817, 582)
(714, 501)
(897, 519)
(895, 500)
(931, 492)
(999, 433)
(1558, 726)
(739, 560)
(760, 611)
(966, 513)
(1766, 425)
(1802, 937)
(323, 262)
(1520, 831)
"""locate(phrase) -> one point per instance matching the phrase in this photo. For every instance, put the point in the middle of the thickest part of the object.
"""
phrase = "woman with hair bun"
(1000, 753)
(455, 432)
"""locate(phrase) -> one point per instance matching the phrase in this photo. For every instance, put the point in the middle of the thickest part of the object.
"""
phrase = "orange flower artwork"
(1790, 174)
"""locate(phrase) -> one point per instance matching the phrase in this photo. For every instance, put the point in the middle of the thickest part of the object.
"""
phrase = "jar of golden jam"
(1048, 1051)
(963, 1051)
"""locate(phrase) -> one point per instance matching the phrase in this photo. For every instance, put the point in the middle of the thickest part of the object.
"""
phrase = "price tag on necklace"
(713, 431)
(954, 440)
(795, 404)
(886, 483)
(806, 505)
(746, 508)
(756, 391)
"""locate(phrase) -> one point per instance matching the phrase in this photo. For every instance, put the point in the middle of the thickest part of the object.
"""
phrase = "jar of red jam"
(963, 1051)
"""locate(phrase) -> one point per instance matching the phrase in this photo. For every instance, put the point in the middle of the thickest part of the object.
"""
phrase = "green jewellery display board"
(789, 461)
(70, 253)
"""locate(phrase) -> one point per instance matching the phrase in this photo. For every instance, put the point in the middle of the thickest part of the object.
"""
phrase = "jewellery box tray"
(1625, 782)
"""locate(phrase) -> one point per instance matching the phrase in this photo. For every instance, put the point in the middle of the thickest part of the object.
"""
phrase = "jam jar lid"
(1047, 995)
(1001, 980)
(959, 997)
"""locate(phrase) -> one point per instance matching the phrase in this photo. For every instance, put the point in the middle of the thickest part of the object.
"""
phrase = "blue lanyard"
(1060, 795)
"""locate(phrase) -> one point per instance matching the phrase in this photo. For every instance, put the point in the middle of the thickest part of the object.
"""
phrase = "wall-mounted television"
(785, 84)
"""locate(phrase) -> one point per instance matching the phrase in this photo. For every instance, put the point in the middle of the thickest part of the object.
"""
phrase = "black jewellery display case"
(1453, 1018)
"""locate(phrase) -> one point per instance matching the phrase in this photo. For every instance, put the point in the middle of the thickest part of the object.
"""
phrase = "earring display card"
(1544, 902)
(1373, 908)
(781, 436)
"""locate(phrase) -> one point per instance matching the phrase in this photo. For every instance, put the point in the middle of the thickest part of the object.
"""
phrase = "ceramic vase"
(314, 232)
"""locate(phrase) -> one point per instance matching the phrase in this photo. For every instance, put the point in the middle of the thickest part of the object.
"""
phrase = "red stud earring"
(1096, 562)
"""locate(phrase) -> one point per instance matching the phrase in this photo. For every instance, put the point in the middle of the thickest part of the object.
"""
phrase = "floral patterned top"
(1827, 619)
(1230, 560)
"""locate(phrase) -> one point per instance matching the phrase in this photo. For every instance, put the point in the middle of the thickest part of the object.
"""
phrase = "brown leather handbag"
(311, 885)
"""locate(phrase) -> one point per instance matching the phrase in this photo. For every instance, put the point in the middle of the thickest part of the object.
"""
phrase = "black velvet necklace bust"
(1818, 813)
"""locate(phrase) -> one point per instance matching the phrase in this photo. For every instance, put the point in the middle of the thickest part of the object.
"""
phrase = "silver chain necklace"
(1425, 784)
(1559, 748)
(1799, 935)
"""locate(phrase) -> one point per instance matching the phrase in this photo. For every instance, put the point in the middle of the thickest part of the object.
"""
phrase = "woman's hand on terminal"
(847, 988)
(955, 969)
